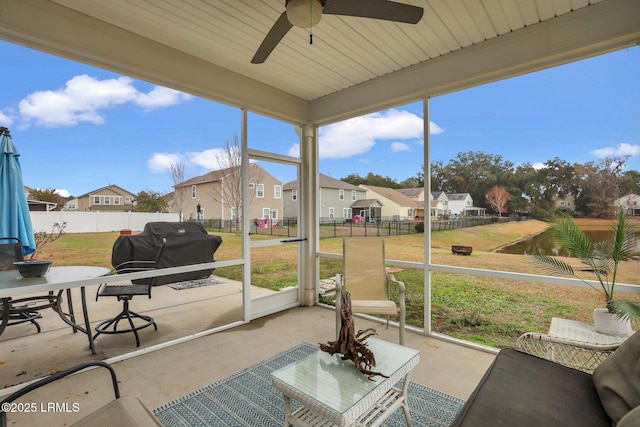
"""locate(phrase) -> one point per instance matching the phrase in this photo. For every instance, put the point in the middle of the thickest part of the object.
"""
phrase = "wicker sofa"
(520, 389)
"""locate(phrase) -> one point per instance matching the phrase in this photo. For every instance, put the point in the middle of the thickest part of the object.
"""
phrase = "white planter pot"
(610, 324)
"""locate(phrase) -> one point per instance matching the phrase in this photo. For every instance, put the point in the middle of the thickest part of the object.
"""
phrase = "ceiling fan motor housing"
(304, 13)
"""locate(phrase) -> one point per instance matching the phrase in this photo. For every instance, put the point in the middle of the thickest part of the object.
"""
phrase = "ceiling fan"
(307, 13)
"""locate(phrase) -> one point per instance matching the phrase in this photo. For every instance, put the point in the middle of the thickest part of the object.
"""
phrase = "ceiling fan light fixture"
(304, 13)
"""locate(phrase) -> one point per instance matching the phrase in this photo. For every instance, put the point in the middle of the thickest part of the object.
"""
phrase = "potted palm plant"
(602, 259)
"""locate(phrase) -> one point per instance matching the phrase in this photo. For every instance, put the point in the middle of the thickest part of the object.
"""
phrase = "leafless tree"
(229, 193)
(498, 198)
(180, 193)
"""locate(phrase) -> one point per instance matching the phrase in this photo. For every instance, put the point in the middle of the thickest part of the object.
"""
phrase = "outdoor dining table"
(57, 279)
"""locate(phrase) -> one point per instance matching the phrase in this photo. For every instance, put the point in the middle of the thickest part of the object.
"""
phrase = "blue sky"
(79, 128)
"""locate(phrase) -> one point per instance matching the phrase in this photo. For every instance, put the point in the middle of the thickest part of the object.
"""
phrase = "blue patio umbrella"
(15, 220)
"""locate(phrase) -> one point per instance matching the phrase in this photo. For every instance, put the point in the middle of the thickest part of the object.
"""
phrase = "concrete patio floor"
(163, 375)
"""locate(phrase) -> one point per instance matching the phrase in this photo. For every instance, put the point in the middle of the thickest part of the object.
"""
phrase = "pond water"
(544, 243)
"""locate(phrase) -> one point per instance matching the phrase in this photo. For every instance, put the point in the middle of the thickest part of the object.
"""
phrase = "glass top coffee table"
(333, 392)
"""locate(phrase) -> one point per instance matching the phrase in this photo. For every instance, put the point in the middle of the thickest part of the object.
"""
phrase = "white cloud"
(434, 129)
(358, 135)
(622, 149)
(63, 192)
(161, 97)
(5, 119)
(294, 150)
(399, 146)
(161, 162)
(83, 98)
(211, 159)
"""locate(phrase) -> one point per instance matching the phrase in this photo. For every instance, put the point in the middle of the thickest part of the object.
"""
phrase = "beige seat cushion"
(374, 307)
(617, 379)
(123, 412)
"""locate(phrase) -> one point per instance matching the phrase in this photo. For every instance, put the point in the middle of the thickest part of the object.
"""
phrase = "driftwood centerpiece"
(352, 345)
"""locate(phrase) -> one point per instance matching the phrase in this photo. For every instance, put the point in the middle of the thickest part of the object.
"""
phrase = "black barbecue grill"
(160, 245)
(186, 243)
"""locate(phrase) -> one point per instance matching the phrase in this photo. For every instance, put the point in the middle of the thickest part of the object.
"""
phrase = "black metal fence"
(349, 229)
(285, 228)
(341, 228)
(452, 224)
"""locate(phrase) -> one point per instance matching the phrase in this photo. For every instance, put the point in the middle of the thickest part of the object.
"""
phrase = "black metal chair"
(125, 293)
(122, 411)
(16, 311)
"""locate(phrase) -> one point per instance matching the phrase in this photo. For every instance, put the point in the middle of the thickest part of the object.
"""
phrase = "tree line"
(532, 190)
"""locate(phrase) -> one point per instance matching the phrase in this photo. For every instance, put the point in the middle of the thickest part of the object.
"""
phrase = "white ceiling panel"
(346, 50)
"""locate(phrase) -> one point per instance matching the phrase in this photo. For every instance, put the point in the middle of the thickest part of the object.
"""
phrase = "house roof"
(112, 187)
(366, 203)
(355, 65)
(457, 196)
(49, 205)
(217, 175)
(212, 176)
(393, 195)
(410, 192)
(326, 182)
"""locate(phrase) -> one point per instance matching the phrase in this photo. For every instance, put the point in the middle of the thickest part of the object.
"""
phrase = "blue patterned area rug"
(248, 399)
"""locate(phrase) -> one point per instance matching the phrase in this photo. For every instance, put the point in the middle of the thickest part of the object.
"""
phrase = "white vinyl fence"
(85, 222)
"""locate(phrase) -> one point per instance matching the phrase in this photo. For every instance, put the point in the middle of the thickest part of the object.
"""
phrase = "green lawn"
(480, 309)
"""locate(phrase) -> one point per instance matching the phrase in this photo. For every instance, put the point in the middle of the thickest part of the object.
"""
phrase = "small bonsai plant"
(602, 258)
(43, 239)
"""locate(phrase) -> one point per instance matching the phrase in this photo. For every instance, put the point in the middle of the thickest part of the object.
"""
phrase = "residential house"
(566, 203)
(418, 195)
(630, 203)
(217, 195)
(462, 204)
(439, 204)
(368, 210)
(38, 205)
(395, 205)
(437, 209)
(111, 198)
(337, 199)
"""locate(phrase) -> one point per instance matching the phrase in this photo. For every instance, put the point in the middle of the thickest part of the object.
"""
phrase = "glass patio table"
(333, 392)
(57, 279)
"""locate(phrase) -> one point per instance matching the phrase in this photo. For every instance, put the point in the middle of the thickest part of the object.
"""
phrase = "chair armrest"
(401, 304)
(580, 355)
(338, 282)
(401, 286)
(54, 377)
(128, 411)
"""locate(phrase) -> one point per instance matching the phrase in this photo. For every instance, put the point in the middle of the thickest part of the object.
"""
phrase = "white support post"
(427, 216)
(308, 199)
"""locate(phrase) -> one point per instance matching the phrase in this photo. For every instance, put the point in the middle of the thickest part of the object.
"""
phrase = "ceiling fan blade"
(376, 9)
(276, 33)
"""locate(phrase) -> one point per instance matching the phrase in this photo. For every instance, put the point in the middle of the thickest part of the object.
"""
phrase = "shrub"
(420, 227)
